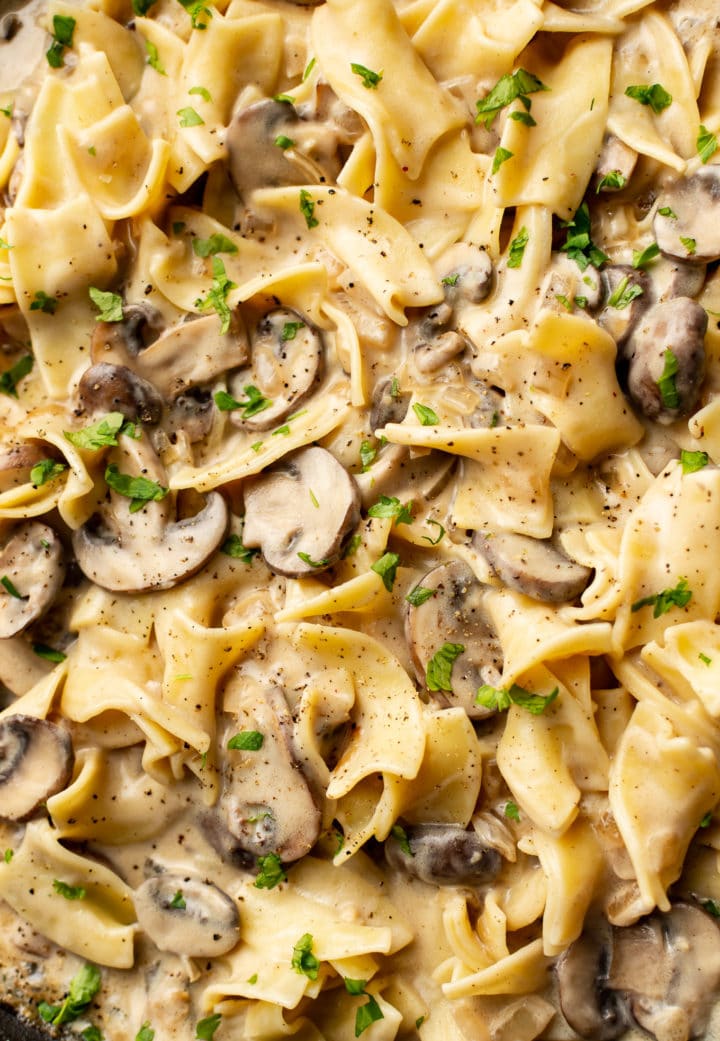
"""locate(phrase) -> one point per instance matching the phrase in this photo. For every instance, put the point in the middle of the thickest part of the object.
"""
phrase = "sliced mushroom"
(592, 1009)
(455, 614)
(287, 362)
(443, 855)
(435, 355)
(679, 326)
(116, 388)
(268, 804)
(131, 552)
(615, 158)
(621, 309)
(389, 404)
(687, 219)
(254, 160)
(671, 278)
(397, 472)
(300, 511)
(567, 288)
(36, 761)
(32, 571)
(534, 567)
(16, 464)
(187, 915)
(192, 414)
(115, 342)
(467, 274)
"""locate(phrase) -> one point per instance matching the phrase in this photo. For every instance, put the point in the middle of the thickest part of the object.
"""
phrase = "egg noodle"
(360, 509)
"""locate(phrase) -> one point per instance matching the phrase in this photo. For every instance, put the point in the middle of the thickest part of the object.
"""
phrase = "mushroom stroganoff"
(359, 503)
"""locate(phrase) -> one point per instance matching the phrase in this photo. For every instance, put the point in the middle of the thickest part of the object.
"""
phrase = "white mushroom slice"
(31, 571)
(687, 218)
(533, 566)
(591, 1008)
(455, 614)
(254, 160)
(300, 511)
(615, 158)
(671, 278)
(36, 760)
(267, 801)
(435, 354)
(131, 552)
(443, 855)
(679, 326)
(186, 915)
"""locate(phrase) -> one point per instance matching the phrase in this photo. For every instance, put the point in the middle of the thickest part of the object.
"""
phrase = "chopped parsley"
(271, 872)
(437, 524)
(62, 34)
(500, 699)
(653, 95)
(233, 547)
(352, 546)
(511, 811)
(303, 960)
(217, 243)
(707, 144)
(663, 602)
(704, 659)
(190, 118)
(427, 416)
(202, 92)
(614, 180)
(102, 434)
(513, 85)
(69, 892)
(624, 294)
(140, 490)
(707, 820)
(196, 8)
(691, 462)
(10, 587)
(370, 79)
(367, 455)
(246, 741)
(579, 246)
(368, 1013)
(91, 1033)
(142, 7)
(110, 305)
(45, 470)
(12, 376)
(178, 901)
(666, 383)
(665, 211)
(145, 1033)
(42, 302)
(438, 674)
(307, 559)
(712, 908)
(284, 142)
(642, 258)
(308, 68)
(387, 567)
(401, 837)
(48, 653)
(418, 595)
(689, 243)
(83, 987)
(523, 117)
(8, 855)
(390, 506)
(517, 248)
(501, 156)
(205, 1029)
(154, 57)
(290, 330)
(307, 208)
(217, 295)
(450, 280)
(254, 402)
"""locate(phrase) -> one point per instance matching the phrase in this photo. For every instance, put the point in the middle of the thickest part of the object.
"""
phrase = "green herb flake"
(580, 301)
(190, 118)
(401, 837)
(642, 258)
(285, 99)
(663, 602)
(10, 588)
(110, 305)
(145, 1033)
(45, 470)
(91, 1033)
(666, 383)
(352, 546)
(205, 1029)
(579, 245)
(707, 144)
(69, 892)
(217, 295)
(102, 434)
(303, 960)
(438, 674)
(517, 248)
(284, 142)
(12, 376)
(500, 699)
(307, 208)
(624, 294)
(154, 58)
(307, 559)
(614, 180)
(419, 1022)
(712, 908)
(178, 227)
(62, 33)
(83, 987)
(563, 301)
(233, 547)
(450, 280)
(707, 820)
(513, 85)
(142, 7)
(519, 116)
(418, 595)
(390, 506)
(202, 92)
(367, 455)
(42, 302)
(511, 811)
(653, 95)
(690, 244)
(387, 567)
(665, 211)
(290, 330)
(367, 1014)
(441, 532)
(308, 68)
(8, 855)
(501, 156)
(691, 462)
(271, 872)
(704, 659)
(254, 402)
(48, 653)
(217, 243)
(196, 8)
(140, 490)
(427, 416)
(246, 741)
(7, 111)
(253, 978)
(370, 79)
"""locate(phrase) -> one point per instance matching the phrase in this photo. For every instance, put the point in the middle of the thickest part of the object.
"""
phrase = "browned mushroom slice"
(626, 298)
(254, 160)
(36, 760)
(16, 464)
(267, 801)
(287, 362)
(455, 615)
(666, 385)
(687, 218)
(187, 915)
(615, 166)
(534, 567)
(591, 1008)
(389, 403)
(430, 356)
(300, 511)
(116, 342)
(467, 274)
(442, 855)
(116, 388)
(31, 572)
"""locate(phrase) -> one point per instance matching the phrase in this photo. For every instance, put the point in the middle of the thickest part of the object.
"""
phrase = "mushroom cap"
(619, 322)
(105, 387)
(32, 563)
(588, 1004)
(444, 855)
(187, 915)
(693, 205)
(283, 520)
(36, 761)
(534, 567)
(455, 614)
(387, 407)
(254, 160)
